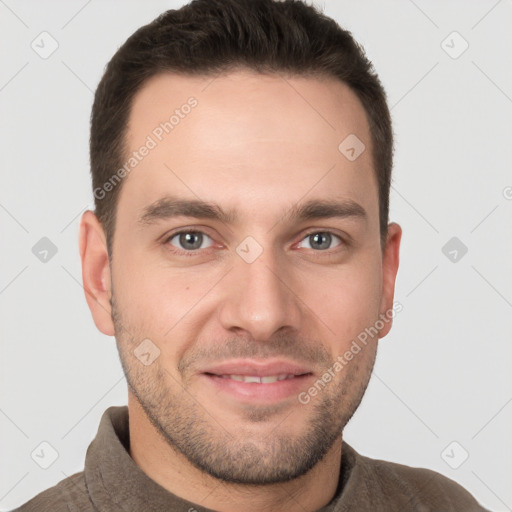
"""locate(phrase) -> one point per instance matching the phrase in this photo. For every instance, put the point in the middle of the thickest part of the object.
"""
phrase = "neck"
(172, 471)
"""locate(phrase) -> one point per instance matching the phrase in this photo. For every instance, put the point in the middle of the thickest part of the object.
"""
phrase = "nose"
(260, 299)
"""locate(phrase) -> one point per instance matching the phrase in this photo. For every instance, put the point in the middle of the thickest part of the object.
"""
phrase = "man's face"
(249, 302)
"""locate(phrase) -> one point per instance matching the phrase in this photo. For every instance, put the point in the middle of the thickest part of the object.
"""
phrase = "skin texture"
(258, 146)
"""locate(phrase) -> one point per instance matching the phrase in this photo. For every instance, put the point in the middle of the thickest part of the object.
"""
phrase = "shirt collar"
(116, 484)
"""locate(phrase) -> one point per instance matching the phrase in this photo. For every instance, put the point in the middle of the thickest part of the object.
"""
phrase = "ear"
(390, 260)
(96, 271)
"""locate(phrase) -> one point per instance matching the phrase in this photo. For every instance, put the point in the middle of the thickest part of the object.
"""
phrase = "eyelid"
(187, 229)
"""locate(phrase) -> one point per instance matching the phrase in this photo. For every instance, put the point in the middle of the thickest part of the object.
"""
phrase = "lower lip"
(254, 391)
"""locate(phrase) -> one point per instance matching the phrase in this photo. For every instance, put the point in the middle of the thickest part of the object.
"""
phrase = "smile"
(258, 380)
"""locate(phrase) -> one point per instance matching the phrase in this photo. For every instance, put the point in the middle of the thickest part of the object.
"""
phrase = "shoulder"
(427, 487)
(69, 495)
(413, 488)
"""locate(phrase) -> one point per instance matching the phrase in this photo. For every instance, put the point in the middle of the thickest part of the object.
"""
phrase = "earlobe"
(390, 262)
(96, 271)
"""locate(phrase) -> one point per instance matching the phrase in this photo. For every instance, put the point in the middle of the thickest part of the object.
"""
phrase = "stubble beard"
(234, 453)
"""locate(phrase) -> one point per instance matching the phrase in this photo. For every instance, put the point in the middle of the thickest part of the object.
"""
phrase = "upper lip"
(254, 367)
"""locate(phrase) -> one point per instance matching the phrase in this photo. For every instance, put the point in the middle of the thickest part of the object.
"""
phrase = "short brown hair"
(208, 37)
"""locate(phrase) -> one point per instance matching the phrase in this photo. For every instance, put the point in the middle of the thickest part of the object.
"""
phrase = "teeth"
(250, 378)
(259, 380)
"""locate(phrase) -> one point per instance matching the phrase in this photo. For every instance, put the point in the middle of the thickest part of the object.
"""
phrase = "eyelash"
(344, 243)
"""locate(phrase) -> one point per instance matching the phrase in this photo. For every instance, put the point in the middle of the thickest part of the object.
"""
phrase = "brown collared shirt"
(112, 482)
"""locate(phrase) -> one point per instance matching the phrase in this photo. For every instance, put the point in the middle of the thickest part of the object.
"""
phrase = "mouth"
(257, 381)
(268, 379)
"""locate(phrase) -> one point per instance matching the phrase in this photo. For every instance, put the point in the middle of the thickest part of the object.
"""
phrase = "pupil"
(191, 240)
(320, 240)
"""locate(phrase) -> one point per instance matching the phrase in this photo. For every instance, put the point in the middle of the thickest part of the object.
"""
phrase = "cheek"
(156, 299)
(347, 301)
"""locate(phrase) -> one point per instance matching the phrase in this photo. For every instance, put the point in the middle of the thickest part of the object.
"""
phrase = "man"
(241, 155)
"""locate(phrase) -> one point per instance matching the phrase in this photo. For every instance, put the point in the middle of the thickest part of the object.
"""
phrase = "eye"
(321, 240)
(190, 240)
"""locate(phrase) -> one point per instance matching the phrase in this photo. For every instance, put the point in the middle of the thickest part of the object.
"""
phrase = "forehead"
(247, 138)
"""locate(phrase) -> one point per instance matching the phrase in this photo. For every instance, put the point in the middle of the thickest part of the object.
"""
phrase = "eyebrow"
(169, 207)
(324, 209)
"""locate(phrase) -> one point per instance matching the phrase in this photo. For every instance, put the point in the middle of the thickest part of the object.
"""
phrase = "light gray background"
(444, 372)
